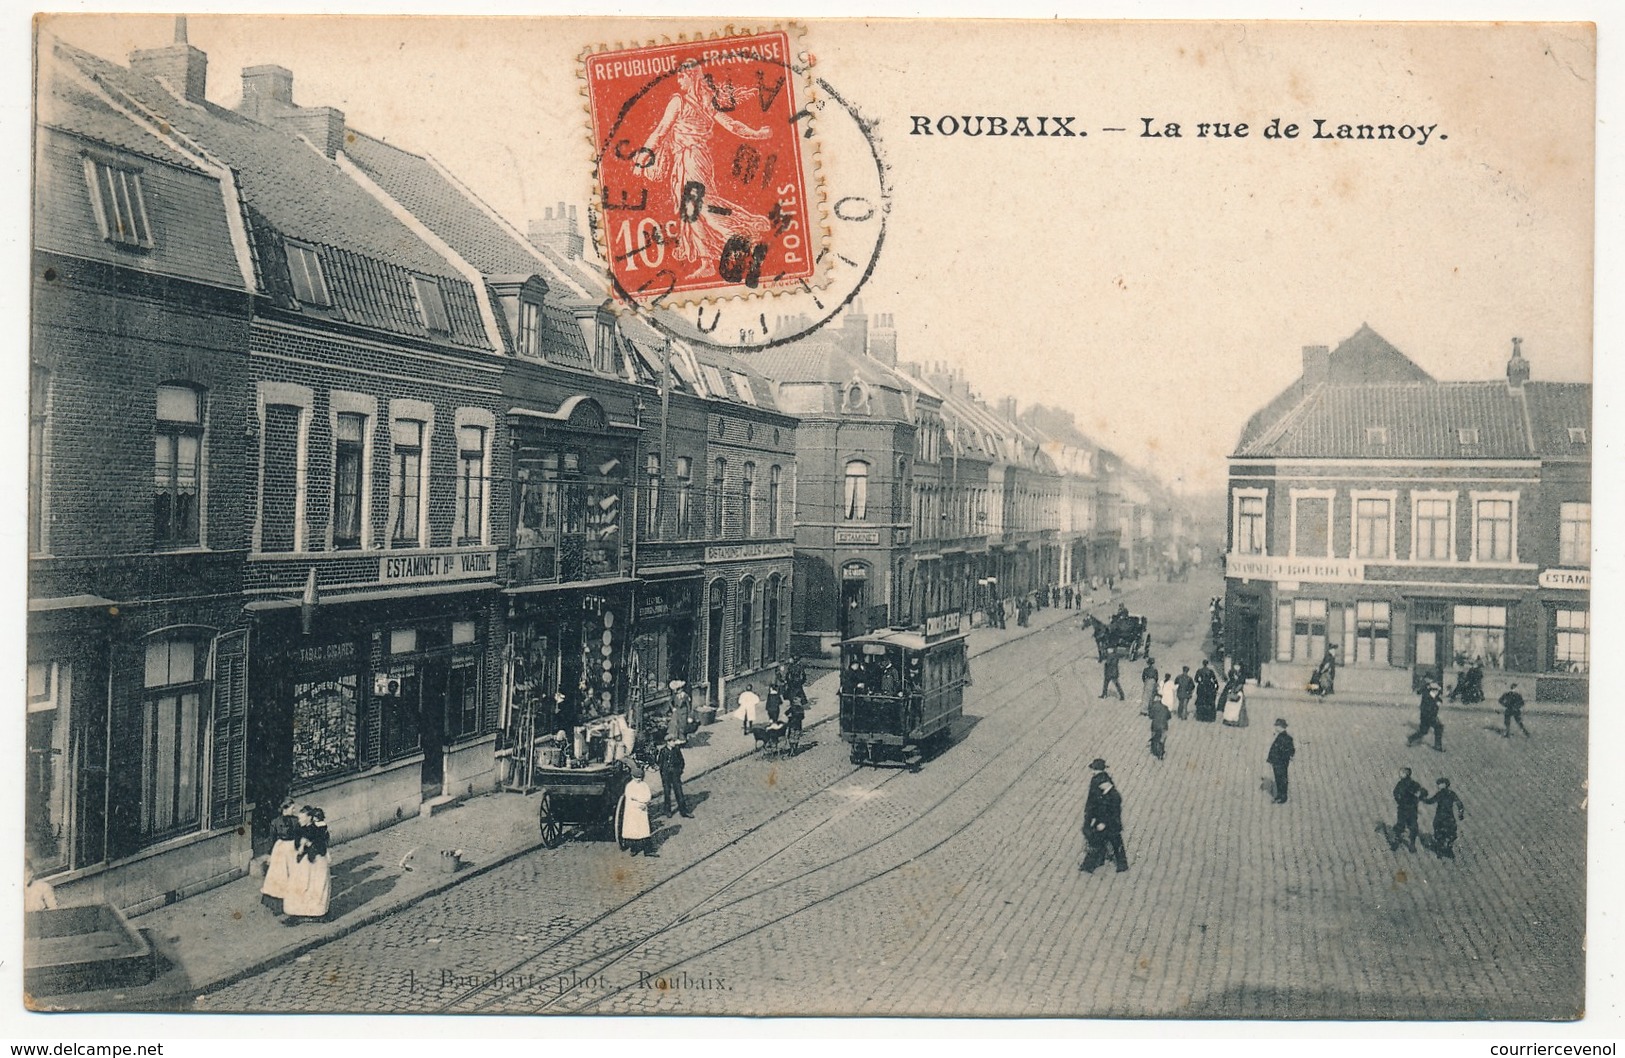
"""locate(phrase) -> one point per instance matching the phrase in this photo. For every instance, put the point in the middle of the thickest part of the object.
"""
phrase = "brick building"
(139, 475)
(1414, 525)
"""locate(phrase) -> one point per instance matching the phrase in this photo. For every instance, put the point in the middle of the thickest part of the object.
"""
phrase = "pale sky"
(1161, 289)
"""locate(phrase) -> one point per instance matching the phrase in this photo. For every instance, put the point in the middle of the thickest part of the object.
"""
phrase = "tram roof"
(908, 638)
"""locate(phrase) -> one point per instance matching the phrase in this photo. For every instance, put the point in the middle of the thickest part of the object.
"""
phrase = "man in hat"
(1102, 821)
(670, 762)
(1109, 676)
(1280, 758)
(1408, 794)
(1512, 709)
(1447, 809)
(1160, 713)
(1184, 687)
(1148, 684)
(1428, 717)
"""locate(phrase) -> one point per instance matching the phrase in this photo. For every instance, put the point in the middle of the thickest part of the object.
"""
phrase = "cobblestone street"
(805, 886)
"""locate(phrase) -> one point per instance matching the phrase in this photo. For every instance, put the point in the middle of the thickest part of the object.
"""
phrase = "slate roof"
(68, 103)
(816, 369)
(1416, 420)
(1556, 408)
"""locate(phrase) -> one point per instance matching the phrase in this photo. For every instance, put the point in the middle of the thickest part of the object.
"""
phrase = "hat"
(676, 685)
(1279, 722)
(1098, 764)
(1444, 782)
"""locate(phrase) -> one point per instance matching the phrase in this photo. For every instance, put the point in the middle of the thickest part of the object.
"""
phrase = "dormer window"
(1468, 436)
(1577, 435)
(1376, 435)
(431, 304)
(121, 208)
(305, 269)
(530, 329)
(857, 396)
(742, 387)
(603, 351)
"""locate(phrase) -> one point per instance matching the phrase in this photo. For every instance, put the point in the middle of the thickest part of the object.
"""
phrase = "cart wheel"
(552, 829)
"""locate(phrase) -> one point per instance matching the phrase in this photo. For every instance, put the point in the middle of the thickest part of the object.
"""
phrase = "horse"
(1126, 632)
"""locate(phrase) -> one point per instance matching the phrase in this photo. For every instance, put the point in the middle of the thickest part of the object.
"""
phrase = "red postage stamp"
(703, 160)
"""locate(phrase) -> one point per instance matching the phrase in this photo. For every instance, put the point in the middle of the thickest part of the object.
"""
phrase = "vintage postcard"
(809, 518)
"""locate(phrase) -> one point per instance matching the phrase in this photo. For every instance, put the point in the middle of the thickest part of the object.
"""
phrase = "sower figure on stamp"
(1280, 757)
(1408, 794)
(1512, 710)
(1102, 821)
(1447, 809)
(1428, 717)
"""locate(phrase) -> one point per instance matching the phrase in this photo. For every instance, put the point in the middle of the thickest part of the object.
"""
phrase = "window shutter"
(230, 747)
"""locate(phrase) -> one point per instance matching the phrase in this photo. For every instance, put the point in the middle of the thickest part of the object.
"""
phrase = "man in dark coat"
(1512, 710)
(1159, 727)
(1326, 672)
(1110, 677)
(670, 762)
(1408, 794)
(1428, 717)
(1280, 757)
(1207, 693)
(1184, 687)
(1447, 809)
(1103, 821)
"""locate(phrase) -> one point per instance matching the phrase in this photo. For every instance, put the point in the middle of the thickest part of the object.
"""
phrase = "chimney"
(183, 68)
(557, 231)
(855, 329)
(268, 99)
(1007, 408)
(1317, 361)
(1517, 367)
(883, 340)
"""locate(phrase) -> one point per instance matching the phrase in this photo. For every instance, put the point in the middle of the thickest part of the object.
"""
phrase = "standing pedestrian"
(1280, 757)
(1148, 684)
(775, 700)
(1408, 794)
(796, 679)
(750, 709)
(1109, 677)
(38, 894)
(1325, 676)
(681, 709)
(1103, 821)
(1512, 709)
(312, 879)
(1207, 693)
(1184, 687)
(1158, 711)
(1447, 810)
(279, 865)
(1428, 716)
(671, 764)
(636, 833)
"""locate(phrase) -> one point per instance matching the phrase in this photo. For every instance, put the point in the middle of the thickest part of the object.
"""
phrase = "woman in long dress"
(635, 832)
(279, 866)
(312, 875)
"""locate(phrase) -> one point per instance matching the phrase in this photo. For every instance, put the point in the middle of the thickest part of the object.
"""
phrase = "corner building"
(1414, 525)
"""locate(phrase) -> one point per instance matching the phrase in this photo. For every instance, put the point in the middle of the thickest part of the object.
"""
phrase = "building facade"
(1414, 526)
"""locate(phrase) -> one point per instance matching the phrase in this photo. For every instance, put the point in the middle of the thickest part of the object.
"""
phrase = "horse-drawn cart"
(585, 797)
(1125, 635)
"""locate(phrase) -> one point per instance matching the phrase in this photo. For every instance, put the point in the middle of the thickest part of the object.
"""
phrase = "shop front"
(662, 641)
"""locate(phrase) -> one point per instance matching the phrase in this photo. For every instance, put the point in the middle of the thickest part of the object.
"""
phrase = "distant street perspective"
(804, 885)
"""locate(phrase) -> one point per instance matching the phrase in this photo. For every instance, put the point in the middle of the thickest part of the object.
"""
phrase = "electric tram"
(902, 690)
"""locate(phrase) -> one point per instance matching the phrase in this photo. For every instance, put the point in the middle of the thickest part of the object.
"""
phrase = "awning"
(574, 585)
(69, 602)
(334, 597)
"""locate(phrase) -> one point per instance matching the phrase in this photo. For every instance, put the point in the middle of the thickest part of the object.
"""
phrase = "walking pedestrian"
(1325, 676)
(1148, 684)
(670, 762)
(1447, 810)
(1103, 821)
(1109, 677)
(796, 681)
(775, 700)
(1158, 711)
(1428, 716)
(1408, 794)
(279, 865)
(636, 833)
(311, 885)
(750, 709)
(1280, 757)
(1207, 693)
(1184, 687)
(1512, 710)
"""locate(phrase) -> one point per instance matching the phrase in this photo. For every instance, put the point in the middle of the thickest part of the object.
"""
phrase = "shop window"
(463, 697)
(1308, 629)
(1571, 643)
(406, 483)
(1367, 639)
(326, 726)
(469, 528)
(743, 658)
(856, 507)
(1479, 634)
(1373, 528)
(397, 699)
(177, 466)
(119, 204)
(48, 786)
(1435, 530)
(1574, 539)
(770, 619)
(349, 454)
(172, 736)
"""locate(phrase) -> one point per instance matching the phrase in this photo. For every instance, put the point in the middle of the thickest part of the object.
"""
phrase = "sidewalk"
(1407, 702)
(225, 934)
